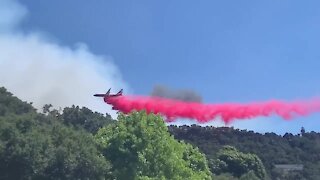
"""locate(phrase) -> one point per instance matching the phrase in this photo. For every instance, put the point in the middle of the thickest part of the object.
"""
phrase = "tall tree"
(139, 146)
(230, 160)
(85, 118)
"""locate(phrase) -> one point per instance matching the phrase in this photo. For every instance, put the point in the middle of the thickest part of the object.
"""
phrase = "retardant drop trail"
(173, 109)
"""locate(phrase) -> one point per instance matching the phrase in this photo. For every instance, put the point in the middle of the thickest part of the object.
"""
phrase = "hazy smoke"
(43, 72)
(181, 94)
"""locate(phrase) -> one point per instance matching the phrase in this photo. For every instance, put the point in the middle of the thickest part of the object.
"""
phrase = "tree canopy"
(77, 143)
(271, 148)
(230, 160)
(37, 146)
(139, 146)
(85, 118)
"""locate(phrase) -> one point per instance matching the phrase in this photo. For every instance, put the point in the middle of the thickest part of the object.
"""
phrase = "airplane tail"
(103, 95)
(108, 92)
(120, 92)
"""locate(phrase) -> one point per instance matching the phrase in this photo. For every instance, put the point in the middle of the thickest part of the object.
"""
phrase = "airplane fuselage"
(107, 95)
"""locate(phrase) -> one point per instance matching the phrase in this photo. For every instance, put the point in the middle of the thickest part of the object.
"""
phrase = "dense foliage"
(230, 160)
(76, 143)
(37, 146)
(271, 148)
(85, 118)
(12, 105)
(65, 145)
(139, 146)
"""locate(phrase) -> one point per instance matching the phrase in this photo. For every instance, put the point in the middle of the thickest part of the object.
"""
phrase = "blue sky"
(227, 51)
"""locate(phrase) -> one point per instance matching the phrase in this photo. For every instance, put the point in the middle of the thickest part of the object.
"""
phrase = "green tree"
(29, 150)
(224, 176)
(85, 118)
(230, 160)
(10, 104)
(249, 176)
(139, 146)
(38, 146)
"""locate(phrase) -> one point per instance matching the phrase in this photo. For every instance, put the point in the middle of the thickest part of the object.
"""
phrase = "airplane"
(108, 95)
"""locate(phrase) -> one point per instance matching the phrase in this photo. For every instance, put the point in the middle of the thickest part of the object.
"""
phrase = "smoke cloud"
(181, 94)
(203, 113)
(41, 71)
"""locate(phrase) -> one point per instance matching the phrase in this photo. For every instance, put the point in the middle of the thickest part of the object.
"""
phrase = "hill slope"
(273, 149)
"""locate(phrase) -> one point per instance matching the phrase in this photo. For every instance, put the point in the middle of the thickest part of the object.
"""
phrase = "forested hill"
(303, 148)
(77, 143)
(10, 104)
(49, 145)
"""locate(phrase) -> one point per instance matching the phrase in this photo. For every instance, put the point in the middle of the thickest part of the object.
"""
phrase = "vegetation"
(140, 146)
(69, 145)
(230, 160)
(37, 146)
(76, 143)
(271, 148)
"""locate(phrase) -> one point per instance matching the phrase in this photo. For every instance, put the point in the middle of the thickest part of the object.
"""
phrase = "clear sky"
(227, 51)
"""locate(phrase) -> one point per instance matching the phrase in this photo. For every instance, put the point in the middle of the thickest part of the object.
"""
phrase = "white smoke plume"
(40, 71)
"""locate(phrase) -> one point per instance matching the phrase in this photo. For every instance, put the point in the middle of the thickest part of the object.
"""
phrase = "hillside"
(48, 145)
(77, 143)
(63, 145)
(273, 149)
